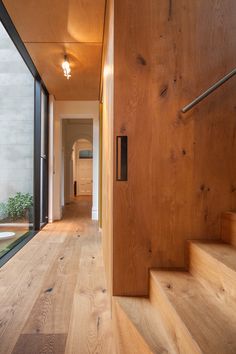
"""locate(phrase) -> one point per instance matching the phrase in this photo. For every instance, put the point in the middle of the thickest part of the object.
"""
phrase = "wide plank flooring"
(53, 295)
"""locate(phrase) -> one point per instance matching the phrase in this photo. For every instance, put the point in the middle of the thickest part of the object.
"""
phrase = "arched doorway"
(73, 130)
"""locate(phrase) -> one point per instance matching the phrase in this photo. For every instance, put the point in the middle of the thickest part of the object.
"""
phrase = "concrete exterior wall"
(16, 121)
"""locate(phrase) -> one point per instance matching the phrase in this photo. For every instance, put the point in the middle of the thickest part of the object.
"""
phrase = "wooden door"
(84, 176)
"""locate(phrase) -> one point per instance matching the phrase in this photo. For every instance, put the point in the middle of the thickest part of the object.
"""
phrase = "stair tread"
(211, 324)
(222, 252)
(147, 322)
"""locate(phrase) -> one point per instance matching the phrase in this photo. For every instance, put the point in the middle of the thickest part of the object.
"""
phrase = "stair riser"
(173, 323)
(228, 228)
(213, 274)
(128, 339)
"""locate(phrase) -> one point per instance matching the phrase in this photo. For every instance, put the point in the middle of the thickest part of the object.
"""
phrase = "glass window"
(16, 145)
(85, 154)
(43, 160)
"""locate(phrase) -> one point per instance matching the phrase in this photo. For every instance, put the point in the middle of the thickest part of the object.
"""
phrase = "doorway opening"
(79, 163)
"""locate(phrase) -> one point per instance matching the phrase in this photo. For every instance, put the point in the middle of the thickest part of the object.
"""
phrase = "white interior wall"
(71, 110)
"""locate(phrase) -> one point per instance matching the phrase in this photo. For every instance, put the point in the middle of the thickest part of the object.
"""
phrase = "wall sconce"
(66, 67)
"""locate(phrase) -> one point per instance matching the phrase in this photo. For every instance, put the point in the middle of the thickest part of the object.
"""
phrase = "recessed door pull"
(122, 158)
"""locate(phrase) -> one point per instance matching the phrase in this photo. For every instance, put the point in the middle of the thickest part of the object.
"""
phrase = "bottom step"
(139, 328)
(198, 320)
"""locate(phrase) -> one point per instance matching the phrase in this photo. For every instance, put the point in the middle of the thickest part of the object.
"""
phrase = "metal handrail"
(208, 91)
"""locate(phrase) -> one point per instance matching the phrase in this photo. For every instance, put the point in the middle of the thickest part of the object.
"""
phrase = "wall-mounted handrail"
(208, 91)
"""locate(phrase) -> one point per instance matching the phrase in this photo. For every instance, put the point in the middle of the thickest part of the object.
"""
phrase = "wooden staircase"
(187, 312)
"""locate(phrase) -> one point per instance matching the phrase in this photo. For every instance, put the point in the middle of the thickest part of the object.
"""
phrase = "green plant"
(16, 207)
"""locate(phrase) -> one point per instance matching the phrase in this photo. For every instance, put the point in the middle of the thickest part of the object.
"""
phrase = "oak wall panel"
(181, 170)
(107, 145)
(51, 29)
(58, 21)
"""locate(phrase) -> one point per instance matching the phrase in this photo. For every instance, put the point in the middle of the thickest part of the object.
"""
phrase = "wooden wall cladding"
(85, 61)
(50, 29)
(107, 146)
(182, 172)
(53, 21)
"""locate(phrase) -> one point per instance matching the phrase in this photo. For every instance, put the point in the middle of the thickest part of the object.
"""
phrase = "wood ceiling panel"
(85, 60)
(58, 20)
(50, 28)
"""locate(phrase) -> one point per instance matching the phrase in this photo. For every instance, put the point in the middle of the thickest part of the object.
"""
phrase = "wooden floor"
(53, 297)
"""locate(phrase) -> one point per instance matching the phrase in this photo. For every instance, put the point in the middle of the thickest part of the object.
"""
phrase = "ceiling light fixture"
(66, 67)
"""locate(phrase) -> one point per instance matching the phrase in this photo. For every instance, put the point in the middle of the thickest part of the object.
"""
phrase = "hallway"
(53, 297)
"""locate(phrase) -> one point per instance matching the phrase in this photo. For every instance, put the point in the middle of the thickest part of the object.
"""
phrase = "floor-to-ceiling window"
(23, 143)
(16, 144)
(44, 160)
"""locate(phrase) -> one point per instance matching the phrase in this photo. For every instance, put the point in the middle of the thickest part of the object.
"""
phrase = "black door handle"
(122, 158)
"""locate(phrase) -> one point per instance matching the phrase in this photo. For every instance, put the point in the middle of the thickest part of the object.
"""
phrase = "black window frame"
(39, 86)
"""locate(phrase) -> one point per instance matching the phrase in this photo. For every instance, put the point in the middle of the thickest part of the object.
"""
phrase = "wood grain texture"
(108, 144)
(90, 324)
(18, 298)
(40, 343)
(228, 228)
(214, 264)
(52, 310)
(139, 328)
(85, 61)
(198, 321)
(173, 323)
(180, 171)
(42, 283)
(58, 21)
(51, 29)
